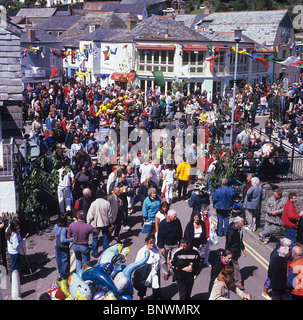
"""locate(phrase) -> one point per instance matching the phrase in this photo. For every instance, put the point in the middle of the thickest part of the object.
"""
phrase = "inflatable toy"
(56, 294)
(78, 288)
(110, 279)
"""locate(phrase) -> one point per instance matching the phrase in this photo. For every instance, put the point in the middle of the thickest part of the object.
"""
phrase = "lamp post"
(237, 37)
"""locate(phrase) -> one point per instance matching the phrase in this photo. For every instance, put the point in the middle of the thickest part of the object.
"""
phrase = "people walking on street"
(277, 273)
(186, 262)
(80, 231)
(224, 258)
(252, 204)
(234, 243)
(99, 215)
(149, 274)
(150, 207)
(169, 236)
(118, 212)
(222, 202)
(183, 175)
(65, 186)
(62, 246)
(224, 284)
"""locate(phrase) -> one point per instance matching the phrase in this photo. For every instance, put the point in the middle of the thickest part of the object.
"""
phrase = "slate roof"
(58, 23)
(102, 34)
(137, 2)
(123, 8)
(190, 20)
(36, 12)
(224, 36)
(41, 37)
(261, 26)
(155, 28)
(80, 30)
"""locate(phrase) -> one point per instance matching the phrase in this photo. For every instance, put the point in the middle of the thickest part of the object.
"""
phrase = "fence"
(7, 156)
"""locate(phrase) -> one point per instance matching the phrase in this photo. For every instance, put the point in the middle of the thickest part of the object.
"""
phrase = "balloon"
(63, 284)
(107, 255)
(99, 295)
(78, 288)
(56, 294)
(98, 276)
(110, 296)
(121, 281)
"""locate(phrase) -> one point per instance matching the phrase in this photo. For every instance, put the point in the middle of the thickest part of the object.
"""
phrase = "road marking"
(256, 256)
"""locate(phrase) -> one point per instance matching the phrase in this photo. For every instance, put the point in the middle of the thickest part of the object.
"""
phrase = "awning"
(118, 76)
(156, 47)
(189, 47)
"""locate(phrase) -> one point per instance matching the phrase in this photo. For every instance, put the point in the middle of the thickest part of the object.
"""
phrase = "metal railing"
(9, 152)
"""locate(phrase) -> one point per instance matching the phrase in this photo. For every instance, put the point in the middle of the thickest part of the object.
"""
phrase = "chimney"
(131, 22)
(31, 34)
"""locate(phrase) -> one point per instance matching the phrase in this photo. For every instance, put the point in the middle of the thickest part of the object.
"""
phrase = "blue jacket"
(254, 194)
(223, 198)
(150, 208)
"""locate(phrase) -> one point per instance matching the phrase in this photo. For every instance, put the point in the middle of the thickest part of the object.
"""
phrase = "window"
(243, 63)
(153, 60)
(194, 60)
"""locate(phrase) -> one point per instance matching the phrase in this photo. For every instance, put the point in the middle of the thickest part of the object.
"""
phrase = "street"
(253, 266)
(41, 272)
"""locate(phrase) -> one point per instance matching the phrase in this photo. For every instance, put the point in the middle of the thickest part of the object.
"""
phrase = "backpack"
(76, 207)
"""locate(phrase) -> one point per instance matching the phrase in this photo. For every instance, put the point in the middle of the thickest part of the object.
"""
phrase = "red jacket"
(290, 215)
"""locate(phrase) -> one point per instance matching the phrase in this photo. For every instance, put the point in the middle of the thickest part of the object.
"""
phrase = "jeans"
(82, 254)
(223, 219)
(262, 108)
(63, 261)
(290, 233)
(105, 234)
(15, 262)
(171, 111)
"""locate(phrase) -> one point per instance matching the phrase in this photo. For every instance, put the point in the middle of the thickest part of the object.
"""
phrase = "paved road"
(40, 253)
(41, 257)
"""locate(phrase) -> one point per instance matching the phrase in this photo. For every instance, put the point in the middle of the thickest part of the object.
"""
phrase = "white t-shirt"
(64, 181)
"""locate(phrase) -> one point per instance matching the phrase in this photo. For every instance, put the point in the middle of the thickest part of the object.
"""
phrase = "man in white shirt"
(65, 185)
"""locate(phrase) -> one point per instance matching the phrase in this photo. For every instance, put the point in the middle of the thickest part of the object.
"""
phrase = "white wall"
(7, 196)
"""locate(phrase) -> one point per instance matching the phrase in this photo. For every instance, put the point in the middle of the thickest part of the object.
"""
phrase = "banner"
(159, 78)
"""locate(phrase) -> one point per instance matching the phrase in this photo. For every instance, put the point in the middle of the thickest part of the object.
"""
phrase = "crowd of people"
(99, 188)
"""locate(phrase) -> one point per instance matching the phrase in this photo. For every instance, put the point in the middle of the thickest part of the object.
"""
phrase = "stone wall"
(10, 78)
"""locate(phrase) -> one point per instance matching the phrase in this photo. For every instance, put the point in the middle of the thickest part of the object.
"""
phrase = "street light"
(237, 37)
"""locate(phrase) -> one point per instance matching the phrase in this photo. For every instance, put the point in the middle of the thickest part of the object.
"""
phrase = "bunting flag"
(289, 61)
(113, 51)
(106, 53)
(54, 72)
(130, 77)
(213, 58)
(159, 78)
(95, 54)
(263, 61)
(82, 74)
(241, 51)
(297, 63)
(275, 59)
(103, 76)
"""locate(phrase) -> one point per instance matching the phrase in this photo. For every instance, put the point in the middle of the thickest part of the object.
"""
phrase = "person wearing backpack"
(62, 247)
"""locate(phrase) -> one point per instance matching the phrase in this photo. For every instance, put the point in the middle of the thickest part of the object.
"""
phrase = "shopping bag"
(213, 238)
(147, 227)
